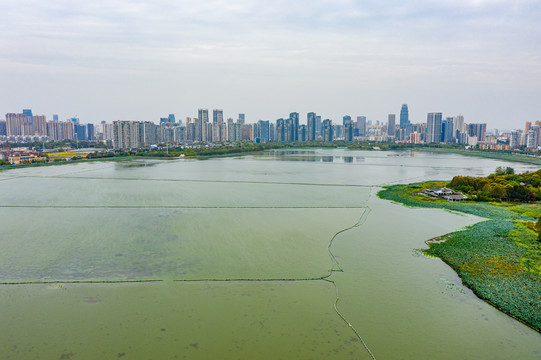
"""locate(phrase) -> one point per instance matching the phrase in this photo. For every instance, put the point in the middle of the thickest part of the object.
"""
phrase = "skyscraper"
(345, 118)
(318, 126)
(312, 126)
(433, 128)
(447, 130)
(458, 125)
(201, 125)
(294, 117)
(327, 129)
(349, 131)
(404, 116)
(203, 115)
(477, 130)
(217, 116)
(264, 131)
(361, 125)
(391, 125)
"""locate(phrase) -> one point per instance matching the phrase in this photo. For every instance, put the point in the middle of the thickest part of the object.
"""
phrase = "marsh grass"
(499, 259)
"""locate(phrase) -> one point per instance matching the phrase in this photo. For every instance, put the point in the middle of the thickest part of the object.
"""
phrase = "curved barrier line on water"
(173, 207)
(335, 265)
(196, 180)
(81, 282)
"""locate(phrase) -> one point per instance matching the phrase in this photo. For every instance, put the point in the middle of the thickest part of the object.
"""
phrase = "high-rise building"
(294, 117)
(391, 125)
(531, 139)
(80, 131)
(349, 130)
(55, 117)
(478, 130)
(203, 115)
(327, 128)
(16, 124)
(447, 130)
(190, 131)
(217, 116)
(345, 118)
(280, 130)
(107, 131)
(247, 132)
(264, 131)
(404, 116)
(361, 125)
(514, 140)
(458, 125)
(39, 124)
(303, 133)
(126, 135)
(311, 123)
(433, 128)
(28, 113)
(242, 118)
(90, 131)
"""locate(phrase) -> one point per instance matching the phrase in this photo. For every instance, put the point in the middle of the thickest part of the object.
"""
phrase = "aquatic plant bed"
(499, 259)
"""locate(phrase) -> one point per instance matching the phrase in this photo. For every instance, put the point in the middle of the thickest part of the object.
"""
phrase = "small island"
(498, 259)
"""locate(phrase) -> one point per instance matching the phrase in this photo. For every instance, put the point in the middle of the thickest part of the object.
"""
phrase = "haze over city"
(141, 61)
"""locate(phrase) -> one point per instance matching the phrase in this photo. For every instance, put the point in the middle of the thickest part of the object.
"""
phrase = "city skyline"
(125, 60)
(208, 114)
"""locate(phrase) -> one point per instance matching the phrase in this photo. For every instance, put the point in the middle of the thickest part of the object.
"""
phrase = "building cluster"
(139, 134)
(21, 156)
(26, 127)
(530, 138)
(125, 134)
(444, 193)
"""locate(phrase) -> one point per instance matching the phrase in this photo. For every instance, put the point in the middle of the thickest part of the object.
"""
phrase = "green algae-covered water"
(77, 240)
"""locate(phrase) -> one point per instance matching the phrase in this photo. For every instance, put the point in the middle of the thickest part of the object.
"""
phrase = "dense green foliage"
(499, 259)
(176, 152)
(406, 194)
(503, 185)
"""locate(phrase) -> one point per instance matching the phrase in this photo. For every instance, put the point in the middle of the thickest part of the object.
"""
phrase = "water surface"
(260, 217)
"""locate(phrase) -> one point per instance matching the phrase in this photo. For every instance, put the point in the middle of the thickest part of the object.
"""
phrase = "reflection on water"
(135, 164)
(308, 156)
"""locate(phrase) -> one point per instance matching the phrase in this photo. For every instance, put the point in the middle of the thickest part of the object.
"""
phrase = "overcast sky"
(142, 60)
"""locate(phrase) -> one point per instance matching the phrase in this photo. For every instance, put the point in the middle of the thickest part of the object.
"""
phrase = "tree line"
(503, 185)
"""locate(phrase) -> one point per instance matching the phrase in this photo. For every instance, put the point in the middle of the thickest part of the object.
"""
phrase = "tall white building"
(514, 141)
(458, 124)
(433, 128)
(531, 139)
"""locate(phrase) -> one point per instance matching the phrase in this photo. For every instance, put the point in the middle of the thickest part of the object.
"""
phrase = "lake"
(228, 258)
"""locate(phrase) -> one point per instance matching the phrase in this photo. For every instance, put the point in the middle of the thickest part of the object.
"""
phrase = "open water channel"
(82, 244)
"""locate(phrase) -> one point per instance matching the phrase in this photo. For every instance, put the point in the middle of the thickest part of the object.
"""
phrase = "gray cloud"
(97, 59)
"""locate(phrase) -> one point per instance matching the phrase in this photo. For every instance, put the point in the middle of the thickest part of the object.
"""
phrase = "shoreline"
(486, 256)
(481, 154)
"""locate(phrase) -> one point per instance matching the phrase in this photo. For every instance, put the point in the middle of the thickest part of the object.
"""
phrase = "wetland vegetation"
(500, 258)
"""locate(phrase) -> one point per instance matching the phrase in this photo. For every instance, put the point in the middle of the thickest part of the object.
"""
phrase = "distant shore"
(250, 148)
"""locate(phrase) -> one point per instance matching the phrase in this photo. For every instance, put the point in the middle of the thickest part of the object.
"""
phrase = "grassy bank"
(499, 259)
(488, 154)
